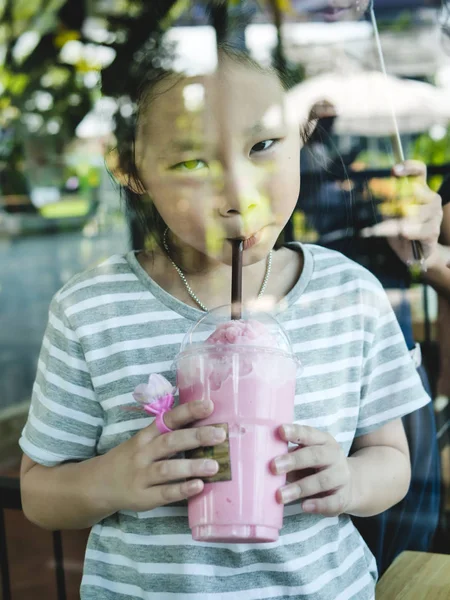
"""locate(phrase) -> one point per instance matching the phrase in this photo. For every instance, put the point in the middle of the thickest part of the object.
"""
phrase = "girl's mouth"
(250, 241)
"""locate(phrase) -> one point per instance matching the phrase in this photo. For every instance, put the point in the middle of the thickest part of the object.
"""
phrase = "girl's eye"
(262, 146)
(189, 166)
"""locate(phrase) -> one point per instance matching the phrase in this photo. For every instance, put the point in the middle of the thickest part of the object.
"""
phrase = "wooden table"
(416, 576)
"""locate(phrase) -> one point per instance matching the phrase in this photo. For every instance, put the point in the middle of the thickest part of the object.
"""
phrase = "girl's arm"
(68, 496)
(380, 470)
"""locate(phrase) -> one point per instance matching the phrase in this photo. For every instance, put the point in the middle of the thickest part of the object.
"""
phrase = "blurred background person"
(345, 221)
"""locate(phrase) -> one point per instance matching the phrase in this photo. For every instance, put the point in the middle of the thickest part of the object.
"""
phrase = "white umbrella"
(364, 102)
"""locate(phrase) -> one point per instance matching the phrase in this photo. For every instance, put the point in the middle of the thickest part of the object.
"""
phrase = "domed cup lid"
(255, 330)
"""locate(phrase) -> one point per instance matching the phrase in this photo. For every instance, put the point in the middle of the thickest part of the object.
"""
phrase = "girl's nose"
(241, 193)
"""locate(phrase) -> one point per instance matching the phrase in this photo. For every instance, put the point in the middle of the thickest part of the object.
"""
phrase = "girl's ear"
(123, 178)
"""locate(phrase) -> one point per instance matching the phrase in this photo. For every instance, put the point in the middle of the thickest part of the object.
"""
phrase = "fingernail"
(281, 464)
(205, 404)
(210, 467)
(193, 486)
(288, 430)
(308, 506)
(219, 434)
(399, 169)
(289, 494)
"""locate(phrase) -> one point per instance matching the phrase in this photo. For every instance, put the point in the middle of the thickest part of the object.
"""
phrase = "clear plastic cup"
(248, 369)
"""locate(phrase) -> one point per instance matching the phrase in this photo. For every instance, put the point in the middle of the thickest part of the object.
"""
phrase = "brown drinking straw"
(236, 280)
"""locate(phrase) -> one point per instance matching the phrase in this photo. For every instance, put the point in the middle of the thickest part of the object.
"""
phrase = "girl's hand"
(422, 221)
(137, 473)
(318, 471)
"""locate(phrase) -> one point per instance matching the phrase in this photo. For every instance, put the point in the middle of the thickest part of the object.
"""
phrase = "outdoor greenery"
(52, 53)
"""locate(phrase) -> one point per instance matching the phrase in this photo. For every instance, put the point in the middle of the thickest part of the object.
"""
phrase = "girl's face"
(220, 160)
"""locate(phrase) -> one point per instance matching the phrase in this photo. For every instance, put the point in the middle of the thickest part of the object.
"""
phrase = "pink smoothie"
(252, 386)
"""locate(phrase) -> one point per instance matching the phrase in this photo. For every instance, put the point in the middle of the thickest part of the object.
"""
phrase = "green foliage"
(375, 158)
(402, 23)
(433, 152)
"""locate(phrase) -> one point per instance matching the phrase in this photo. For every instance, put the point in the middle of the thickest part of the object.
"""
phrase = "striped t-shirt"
(112, 326)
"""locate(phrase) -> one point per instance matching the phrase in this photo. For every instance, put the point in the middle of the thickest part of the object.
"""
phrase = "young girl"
(218, 162)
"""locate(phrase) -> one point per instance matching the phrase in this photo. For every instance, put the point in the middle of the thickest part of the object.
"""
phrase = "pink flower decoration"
(156, 396)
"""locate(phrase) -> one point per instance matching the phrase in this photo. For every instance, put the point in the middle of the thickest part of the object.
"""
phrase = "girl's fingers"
(169, 444)
(159, 495)
(304, 435)
(310, 457)
(329, 506)
(165, 471)
(324, 481)
(179, 417)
